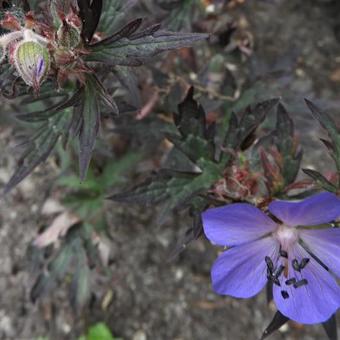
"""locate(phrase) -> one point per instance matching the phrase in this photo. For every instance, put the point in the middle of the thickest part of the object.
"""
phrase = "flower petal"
(316, 300)
(235, 224)
(325, 245)
(318, 209)
(242, 271)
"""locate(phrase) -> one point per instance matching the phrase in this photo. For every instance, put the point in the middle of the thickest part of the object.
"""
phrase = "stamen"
(283, 253)
(269, 263)
(279, 271)
(273, 275)
(304, 262)
(290, 281)
(284, 294)
(275, 281)
(269, 274)
(300, 283)
(296, 266)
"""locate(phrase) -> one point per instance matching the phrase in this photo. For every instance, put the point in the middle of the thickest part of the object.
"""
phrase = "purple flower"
(302, 262)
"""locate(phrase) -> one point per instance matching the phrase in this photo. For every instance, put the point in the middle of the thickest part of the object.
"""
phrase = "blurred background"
(139, 288)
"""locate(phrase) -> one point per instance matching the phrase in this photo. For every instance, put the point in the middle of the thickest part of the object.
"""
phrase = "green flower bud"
(32, 61)
(68, 36)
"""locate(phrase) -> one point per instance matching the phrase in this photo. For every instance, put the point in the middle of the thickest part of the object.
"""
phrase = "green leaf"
(130, 48)
(47, 113)
(80, 286)
(320, 180)
(197, 206)
(90, 12)
(251, 119)
(85, 205)
(211, 172)
(191, 117)
(284, 134)
(99, 332)
(172, 187)
(176, 188)
(155, 189)
(241, 133)
(196, 140)
(73, 182)
(90, 119)
(333, 132)
(39, 147)
(178, 17)
(113, 14)
(129, 80)
(57, 268)
(115, 170)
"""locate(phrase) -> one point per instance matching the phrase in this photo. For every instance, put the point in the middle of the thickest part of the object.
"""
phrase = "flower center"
(286, 235)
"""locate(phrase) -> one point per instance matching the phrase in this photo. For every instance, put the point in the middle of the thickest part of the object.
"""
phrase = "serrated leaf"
(90, 120)
(114, 12)
(231, 141)
(74, 183)
(39, 147)
(240, 133)
(57, 268)
(278, 321)
(116, 169)
(284, 133)
(178, 17)
(191, 117)
(80, 286)
(252, 118)
(90, 12)
(193, 147)
(194, 141)
(156, 189)
(324, 119)
(197, 206)
(172, 187)
(211, 172)
(42, 286)
(60, 264)
(47, 113)
(129, 80)
(133, 49)
(322, 181)
(329, 125)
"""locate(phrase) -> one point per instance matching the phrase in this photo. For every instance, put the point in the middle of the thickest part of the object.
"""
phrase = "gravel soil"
(151, 297)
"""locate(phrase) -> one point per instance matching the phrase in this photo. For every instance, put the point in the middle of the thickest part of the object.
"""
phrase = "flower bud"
(68, 35)
(32, 61)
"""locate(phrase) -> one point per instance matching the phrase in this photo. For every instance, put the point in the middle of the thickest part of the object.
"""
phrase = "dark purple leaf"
(90, 120)
(330, 328)
(89, 12)
(278, 321)
(125, 48)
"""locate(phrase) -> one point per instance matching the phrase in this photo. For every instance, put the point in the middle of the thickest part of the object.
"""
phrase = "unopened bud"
(32, 61)
(68, 36)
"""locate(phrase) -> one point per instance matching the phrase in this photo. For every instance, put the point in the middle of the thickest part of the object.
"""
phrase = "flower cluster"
(35, 48)
(297, 251)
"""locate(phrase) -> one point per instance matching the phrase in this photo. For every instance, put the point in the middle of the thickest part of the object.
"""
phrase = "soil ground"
(152, 298)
